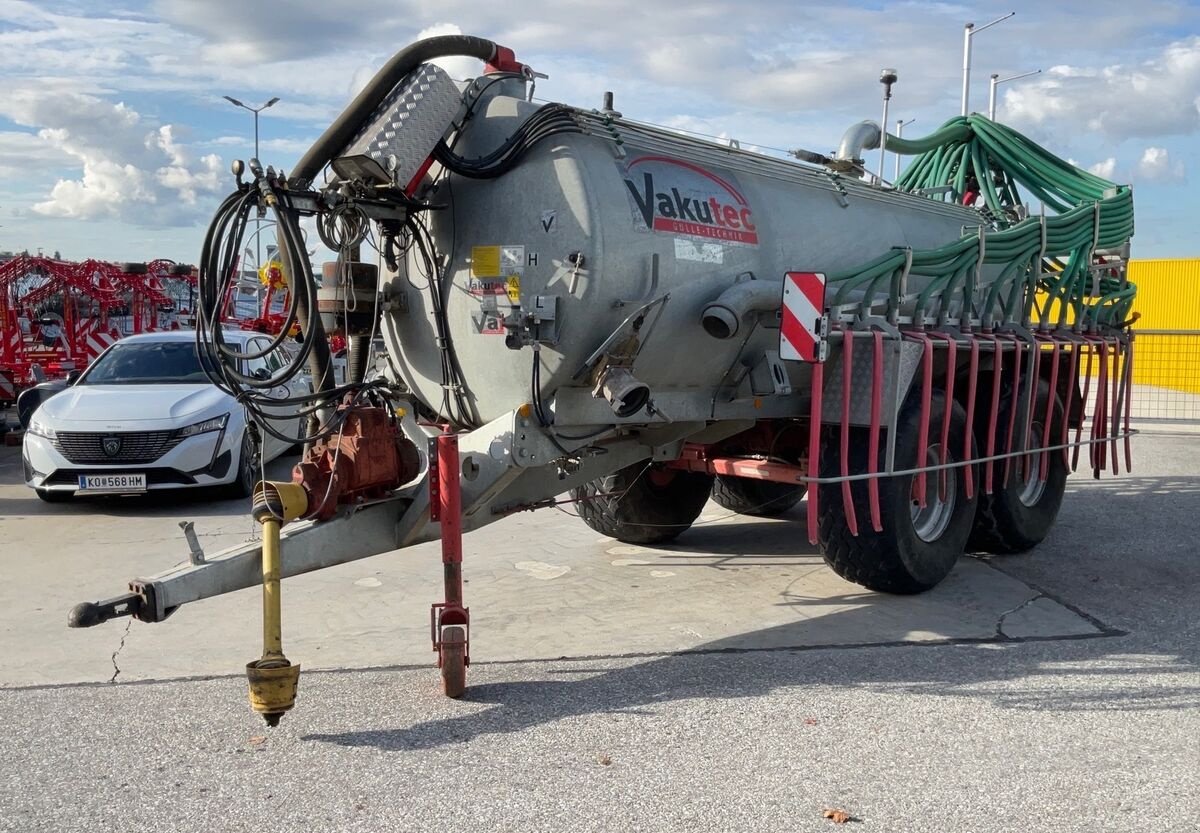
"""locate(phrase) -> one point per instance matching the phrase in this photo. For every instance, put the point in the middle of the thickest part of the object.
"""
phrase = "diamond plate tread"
(409, 122)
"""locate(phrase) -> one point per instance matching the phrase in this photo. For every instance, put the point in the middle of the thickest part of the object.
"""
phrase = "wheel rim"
(249, 463)
(931, 520)
(1032, 485)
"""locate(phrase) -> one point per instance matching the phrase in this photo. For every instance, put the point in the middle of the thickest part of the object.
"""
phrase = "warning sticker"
(512, 257)
(512, 288)
(485, 261)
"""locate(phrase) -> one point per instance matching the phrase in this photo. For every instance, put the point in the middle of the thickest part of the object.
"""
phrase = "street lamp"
(996, 82)
(900, 135)
(887, 77)
(257, 220)
(969, 30)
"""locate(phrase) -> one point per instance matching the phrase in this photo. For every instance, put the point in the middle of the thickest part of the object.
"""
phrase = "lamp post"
(900, 135)
(887, 77)
(257, 220)
(996, 82)
(969, 30)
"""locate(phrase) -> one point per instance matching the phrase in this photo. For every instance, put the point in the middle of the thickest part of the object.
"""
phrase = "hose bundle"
(976, 159)
(224, 364)
(548, 121)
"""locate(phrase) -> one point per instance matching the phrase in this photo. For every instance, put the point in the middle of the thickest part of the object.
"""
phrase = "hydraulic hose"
(344, 127)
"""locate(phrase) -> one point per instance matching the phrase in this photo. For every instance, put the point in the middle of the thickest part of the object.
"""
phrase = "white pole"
(997, 81)
(969, 30)
(887, 77)
(900, 135)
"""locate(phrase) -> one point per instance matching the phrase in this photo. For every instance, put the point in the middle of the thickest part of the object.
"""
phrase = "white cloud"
(1105, 169)
(1157, 97)
(1156, 166)
(129, 170)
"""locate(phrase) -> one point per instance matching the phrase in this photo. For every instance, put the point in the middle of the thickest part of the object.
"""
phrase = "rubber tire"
(454, 662)
(639, 510)
(248, 476)
(134, 268)
(181, 270)
(1003, 524)
(894, 560)
(53, 497)
(760, 498)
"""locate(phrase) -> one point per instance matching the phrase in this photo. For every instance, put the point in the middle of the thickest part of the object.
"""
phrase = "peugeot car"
(145, 417)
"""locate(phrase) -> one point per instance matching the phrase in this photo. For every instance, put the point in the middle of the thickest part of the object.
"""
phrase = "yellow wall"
(1168, 298)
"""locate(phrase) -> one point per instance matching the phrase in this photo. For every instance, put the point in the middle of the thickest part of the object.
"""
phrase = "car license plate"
(112, 482)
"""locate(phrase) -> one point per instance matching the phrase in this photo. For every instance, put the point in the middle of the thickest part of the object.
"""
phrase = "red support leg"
(450, 621)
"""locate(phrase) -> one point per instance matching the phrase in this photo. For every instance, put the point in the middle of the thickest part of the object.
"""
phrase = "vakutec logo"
(719, 213)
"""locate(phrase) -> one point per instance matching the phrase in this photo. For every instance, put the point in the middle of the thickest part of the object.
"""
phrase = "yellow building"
(1167, 352)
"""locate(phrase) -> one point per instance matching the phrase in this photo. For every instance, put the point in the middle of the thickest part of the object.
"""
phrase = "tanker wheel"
(919, 544)
(454, 661)
(642, 504)
(1021, 512)
(763, 498)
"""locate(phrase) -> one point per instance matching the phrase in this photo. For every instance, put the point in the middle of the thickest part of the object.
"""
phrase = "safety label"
(511, 257)
(485, 261)
(497, 296)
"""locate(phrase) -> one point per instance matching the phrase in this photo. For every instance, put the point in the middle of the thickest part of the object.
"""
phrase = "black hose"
(347, 125)
(225, 364)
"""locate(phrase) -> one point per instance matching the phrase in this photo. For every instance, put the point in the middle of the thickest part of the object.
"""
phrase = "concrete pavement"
(728, 682)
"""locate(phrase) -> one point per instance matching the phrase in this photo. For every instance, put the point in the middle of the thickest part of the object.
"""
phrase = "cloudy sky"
(115, 140)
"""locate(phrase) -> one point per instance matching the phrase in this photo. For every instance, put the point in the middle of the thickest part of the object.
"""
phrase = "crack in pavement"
(117, 668)
(1000, 634)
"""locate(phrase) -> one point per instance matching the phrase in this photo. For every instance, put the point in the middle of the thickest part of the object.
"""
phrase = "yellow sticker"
(485, 261)
(513, 287)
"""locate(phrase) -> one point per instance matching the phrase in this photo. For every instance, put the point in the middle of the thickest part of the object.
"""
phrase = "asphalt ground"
(1052, 691)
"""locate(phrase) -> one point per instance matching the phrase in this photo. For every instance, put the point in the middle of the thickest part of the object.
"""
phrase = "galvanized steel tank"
(608, 225)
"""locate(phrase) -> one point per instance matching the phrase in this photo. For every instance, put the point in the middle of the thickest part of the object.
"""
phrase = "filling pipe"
(722, 318)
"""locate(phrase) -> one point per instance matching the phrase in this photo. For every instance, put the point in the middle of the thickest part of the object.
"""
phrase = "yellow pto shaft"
(273, 679)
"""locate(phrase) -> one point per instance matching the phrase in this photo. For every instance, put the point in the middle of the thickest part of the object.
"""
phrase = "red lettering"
(746, 224)
(716, 210)
(731, 216)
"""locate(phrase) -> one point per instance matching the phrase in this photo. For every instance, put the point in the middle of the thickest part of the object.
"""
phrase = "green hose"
(974, 155)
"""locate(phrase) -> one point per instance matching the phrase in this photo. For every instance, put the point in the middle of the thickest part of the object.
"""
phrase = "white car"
(144, 417)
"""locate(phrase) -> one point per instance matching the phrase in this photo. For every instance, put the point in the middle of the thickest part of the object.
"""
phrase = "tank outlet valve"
(622, 390)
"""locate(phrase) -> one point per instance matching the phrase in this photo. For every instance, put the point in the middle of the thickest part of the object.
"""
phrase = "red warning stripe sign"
(803, 308)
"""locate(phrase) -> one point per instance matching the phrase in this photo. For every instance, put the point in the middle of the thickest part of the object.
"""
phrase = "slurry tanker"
(582, 308)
